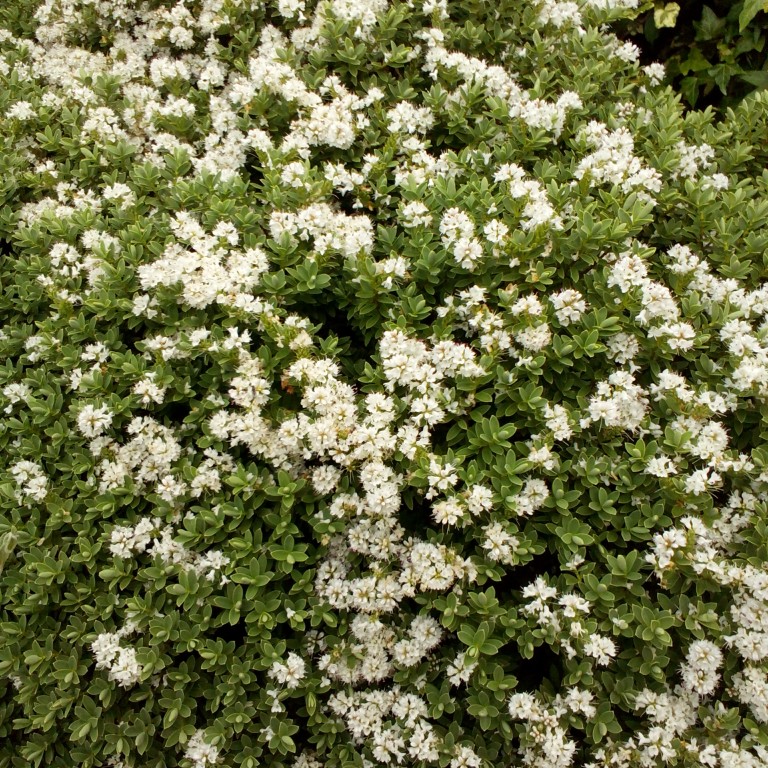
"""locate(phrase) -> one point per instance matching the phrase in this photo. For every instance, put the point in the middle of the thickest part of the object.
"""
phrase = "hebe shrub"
(383, 384)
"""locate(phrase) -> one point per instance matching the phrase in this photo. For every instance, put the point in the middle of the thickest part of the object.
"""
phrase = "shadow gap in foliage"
(515, 579)
(545, 664)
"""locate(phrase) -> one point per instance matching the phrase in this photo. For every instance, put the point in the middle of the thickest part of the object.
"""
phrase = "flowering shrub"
(384, 384)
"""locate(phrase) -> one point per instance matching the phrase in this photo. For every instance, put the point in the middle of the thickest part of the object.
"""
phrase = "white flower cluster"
(32, 482)
(200, 752)
(558, 422)
(713, 552)
(127, 540)
(534, 334)
(330, 231)
(498, 83)
(68, 265)
(530, 498)
(537, 210)
(614, 161)
(417, 166)
(700, 437)
(290, 672)
(121, 662)
(545, 743)
(744, 344)
(92, 421)
(559, 13)
(394, 268)
(566, 621)
(207, 476)
(472, 315)
(15, 392)
(148, 390)
(411, 364)
(458, 230)
(375, 651)
(501, 545)
(209, 272)
(20, 110)
(147, 458)
(692, 159)
(751, 687)
(150, 535)
(671, 714)
(569, 306)
(415, 214)
(701, 669)
(121, 194)
(407, 118)
(659, 305)
(364, 12)
(460, 670)
(460, 508)
(394, 723)
(619, 402)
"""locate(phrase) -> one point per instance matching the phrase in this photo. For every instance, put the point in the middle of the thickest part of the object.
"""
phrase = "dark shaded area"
(440, 435)
(333, 320)
(176, 411)
(231, 632)
(544, 665)
(254, 169)
(415, 514)
(515, 579)
(345, 202)
(708, 59)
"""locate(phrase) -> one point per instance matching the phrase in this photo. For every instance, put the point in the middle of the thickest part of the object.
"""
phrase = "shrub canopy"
(383, 383)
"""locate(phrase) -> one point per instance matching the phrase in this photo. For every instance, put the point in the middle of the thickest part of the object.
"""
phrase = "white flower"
(122, 663)
(569, 306)
(523, 706)
(465, 757)
(415, 214)
(661, 466)
(479, 499)
(92, 421)
(21, 110)
(619, 402)
(125, 669)
(447, 512)
(200, 752)
(500, 545)
(751, 686)
(290, 672)
(148, 390)
(601, 648)
(31, 480)
(120, 193)
(656, 72)
(700, 670)
(404, 117)
(558, 422)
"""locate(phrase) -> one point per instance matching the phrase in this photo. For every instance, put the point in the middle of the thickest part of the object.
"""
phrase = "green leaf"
(756, 77)
(749, 11)
(710, 27)
(666, 15)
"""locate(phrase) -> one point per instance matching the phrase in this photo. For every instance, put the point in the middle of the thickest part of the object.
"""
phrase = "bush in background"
(715, 53)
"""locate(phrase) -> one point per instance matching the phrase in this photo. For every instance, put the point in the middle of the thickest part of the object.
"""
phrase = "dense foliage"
(715, 52)
(383, 383)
